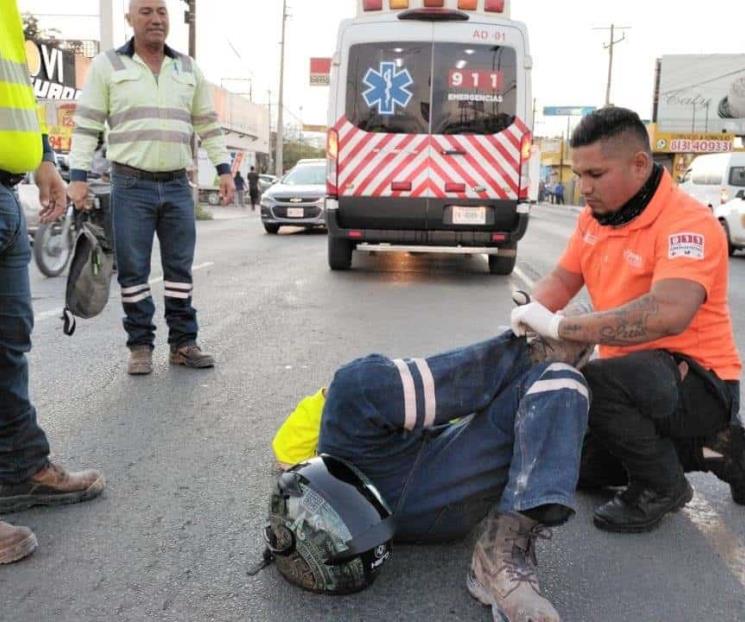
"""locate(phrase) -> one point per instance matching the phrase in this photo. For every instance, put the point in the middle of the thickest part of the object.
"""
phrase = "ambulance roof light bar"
(425, 7)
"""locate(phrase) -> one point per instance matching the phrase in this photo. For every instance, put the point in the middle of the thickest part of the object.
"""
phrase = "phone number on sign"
(684, 145)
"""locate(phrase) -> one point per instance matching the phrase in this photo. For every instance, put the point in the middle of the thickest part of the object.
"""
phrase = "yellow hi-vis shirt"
(150, 118)
(297, 439)
(20, 131)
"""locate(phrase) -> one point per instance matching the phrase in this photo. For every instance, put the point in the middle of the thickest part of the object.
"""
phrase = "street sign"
(567, 111)
(320, 68)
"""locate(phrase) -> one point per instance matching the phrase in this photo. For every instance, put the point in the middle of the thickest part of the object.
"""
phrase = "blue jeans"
(516, 443)
(142, 208)
(23, 445)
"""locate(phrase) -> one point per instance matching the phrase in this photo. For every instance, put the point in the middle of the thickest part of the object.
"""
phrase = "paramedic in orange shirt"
(665, 389)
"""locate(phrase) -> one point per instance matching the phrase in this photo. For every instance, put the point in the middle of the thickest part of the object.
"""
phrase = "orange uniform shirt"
(675, 237)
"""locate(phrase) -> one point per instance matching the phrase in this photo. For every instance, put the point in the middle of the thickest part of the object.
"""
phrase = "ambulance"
(429, 141)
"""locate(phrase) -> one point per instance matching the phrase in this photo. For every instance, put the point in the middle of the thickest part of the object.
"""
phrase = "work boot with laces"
(140, 360)
(191, 355)
(15, 543)
(724, 455)
(503, 570)
(51, 485)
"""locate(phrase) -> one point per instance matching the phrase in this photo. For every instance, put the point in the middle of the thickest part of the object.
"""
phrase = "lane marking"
(725, 543)
(527, 281)
(43, 315)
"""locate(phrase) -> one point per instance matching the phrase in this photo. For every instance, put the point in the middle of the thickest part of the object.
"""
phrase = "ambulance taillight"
(372, 5)
(332, 163)
(494, 6)
(525, 154)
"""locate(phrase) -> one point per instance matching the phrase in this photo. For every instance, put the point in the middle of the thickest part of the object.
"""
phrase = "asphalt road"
(189, 466)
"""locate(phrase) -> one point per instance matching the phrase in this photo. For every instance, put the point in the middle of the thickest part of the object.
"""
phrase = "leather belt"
(10, 179)
(131, 171)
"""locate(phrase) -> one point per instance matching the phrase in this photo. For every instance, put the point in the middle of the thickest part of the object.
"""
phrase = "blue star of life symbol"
(387, 88)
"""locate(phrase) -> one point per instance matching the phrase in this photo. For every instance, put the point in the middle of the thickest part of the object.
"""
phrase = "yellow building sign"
(669, 142)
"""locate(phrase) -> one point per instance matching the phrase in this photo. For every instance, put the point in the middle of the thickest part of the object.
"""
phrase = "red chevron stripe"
(489, 178)
(365, 161)
(453, 162)
(394, 174)
(380, 188)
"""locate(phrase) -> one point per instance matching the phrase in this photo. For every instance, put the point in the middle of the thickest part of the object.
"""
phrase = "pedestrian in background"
(27, 477)
(253, 187)
(153, 98)
(559, 193)
(240, 187)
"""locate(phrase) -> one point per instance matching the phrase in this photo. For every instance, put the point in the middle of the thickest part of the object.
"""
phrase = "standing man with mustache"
(665, 390)
(153, 99)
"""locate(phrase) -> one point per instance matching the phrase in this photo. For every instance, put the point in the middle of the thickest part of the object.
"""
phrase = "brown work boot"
(52, 485)
(15, 543)
(503, 570)
(191, 355)
(140, 361)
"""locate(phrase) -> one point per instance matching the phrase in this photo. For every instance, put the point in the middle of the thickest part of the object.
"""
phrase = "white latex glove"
(536, 318)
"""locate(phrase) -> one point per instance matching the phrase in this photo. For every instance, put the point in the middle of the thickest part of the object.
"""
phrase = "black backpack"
(89, 278)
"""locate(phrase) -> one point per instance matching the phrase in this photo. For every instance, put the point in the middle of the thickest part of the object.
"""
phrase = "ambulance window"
(737, 176)
(388, 87)
(474, 88)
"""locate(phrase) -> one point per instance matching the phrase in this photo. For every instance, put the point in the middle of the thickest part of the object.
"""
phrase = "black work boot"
(191, 355)
(724, 455)
(638, 508)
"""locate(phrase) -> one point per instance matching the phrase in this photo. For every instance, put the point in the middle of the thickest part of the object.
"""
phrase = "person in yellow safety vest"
(27, 477)
(153, 100)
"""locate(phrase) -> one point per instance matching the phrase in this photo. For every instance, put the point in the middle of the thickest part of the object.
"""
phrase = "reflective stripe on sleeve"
(117, 138)
(430, 399)
(557, 384)
(407, 382)
(115, 60)
(13, 73)
(186, 63)
(203, 119)
(84, 112)
(211, 134)
(18, 120)
(139, 113)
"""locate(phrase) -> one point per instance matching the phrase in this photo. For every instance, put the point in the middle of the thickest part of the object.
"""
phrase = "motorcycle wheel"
(51, 252)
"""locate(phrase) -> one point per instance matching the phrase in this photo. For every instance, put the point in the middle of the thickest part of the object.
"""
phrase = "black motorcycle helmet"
(329, 530)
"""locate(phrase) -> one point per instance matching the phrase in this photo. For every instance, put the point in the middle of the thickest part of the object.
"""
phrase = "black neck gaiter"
(636, 204)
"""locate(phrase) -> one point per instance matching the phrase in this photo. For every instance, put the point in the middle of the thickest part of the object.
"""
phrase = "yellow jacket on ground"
(20, 131)
(297, 439)
(150, 118)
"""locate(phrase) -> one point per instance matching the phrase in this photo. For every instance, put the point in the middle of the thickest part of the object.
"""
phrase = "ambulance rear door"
(480, 119)
(381, 114)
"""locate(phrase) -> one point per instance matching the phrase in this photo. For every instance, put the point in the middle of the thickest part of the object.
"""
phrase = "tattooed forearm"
(635, 322)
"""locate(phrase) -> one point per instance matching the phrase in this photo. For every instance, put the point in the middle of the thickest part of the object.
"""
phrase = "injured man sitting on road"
(490, 431)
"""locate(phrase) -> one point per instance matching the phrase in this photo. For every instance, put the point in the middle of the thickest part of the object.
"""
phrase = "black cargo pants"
(647, 423)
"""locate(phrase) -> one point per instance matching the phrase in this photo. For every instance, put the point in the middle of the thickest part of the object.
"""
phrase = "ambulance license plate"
(295, 212)
(469, 215)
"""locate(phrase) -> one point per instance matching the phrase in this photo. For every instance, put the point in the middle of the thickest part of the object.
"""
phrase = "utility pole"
(190, 18)
(609, 46)
(279, 160)
(269, 143)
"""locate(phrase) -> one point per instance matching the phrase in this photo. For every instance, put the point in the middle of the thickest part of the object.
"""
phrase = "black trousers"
(647, 424)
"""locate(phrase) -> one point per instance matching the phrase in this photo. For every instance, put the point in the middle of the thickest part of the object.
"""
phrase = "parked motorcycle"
(54, 242)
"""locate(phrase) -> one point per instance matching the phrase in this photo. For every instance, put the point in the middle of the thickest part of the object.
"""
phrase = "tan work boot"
(543, 349)
(140, 361)
(15, 543)
(191, 355)
(503, 570)
(51, 485)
